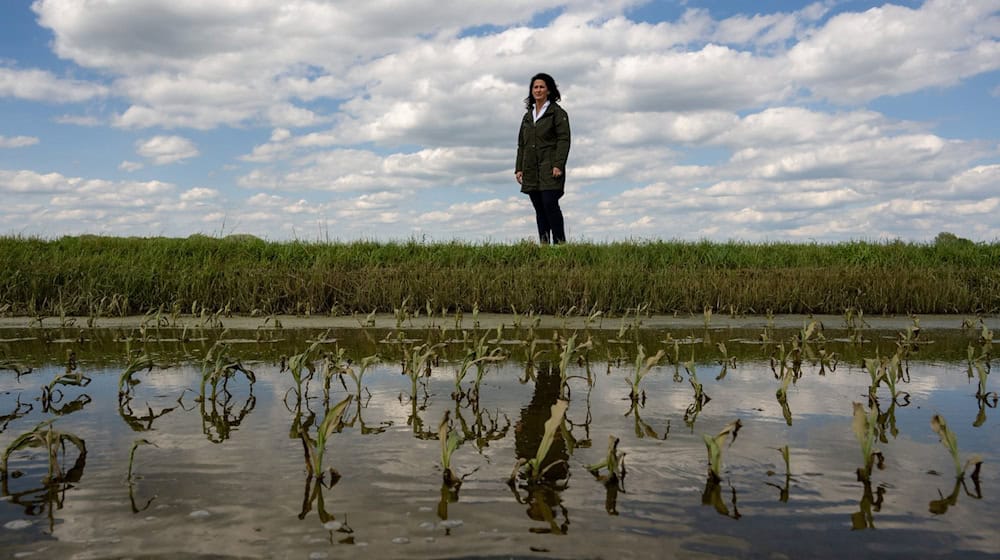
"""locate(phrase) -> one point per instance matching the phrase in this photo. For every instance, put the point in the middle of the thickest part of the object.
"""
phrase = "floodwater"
(227, 476)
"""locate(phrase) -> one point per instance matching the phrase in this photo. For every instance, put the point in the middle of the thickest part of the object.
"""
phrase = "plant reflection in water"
(51, 494)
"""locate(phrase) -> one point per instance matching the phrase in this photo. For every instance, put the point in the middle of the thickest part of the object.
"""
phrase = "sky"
(327, 120)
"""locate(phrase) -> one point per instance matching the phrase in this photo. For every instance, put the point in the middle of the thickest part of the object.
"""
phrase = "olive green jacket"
(541, 146)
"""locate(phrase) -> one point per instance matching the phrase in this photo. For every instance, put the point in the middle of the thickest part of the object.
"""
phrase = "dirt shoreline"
(492, 320)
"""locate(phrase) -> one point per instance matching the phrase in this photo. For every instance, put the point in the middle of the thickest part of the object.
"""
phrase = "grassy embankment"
(116, 276)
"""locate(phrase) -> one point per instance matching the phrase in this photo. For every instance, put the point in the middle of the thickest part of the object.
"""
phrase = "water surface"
(226, 477)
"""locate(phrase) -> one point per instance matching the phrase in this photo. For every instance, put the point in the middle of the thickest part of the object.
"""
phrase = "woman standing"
(542, 150)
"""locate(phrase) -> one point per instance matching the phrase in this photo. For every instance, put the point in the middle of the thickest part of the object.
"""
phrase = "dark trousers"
(548, 216)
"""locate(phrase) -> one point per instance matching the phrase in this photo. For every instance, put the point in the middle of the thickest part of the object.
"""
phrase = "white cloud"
(79, 120)
(17, 141)
(30, 182)
(199, 194)
(39, 85)
(892, 50)
(163, 150)
(130, 166)
(360, 170)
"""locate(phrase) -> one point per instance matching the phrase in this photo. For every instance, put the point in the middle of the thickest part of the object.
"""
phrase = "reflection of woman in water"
(531, 426)
(542, 150)
(543, 499)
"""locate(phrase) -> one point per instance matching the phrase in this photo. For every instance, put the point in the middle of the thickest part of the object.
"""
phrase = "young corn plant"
(218, 366)
(595, 316)
(570, 350)
(643, 366)
(72, 377)
(893, 375)
(366, 363)
(675, 360)
(535, 468)
(46, 437)
(315, 449)
(982, 394)
(483, 358)
(450, 441)
(864, 425)
(613, 463)
(726, 361)
(876, 372)
(986, 339)
(417, 363)
(713, 445)
(950, 441)
(136, 363)
(811, 331)
(784, 489)
(531, 355)
(787, 377)
(700, 398)
(402, 313)
(911, 335)
(854, 319)
(827, 361)
(302, 366)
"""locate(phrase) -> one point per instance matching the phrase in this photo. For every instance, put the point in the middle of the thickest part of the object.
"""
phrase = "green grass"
(110, 275)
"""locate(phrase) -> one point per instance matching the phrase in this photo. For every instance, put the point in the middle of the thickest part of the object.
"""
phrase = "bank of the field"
(89, 275)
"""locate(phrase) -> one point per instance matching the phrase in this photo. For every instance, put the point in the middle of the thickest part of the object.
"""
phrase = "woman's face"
(539, 91)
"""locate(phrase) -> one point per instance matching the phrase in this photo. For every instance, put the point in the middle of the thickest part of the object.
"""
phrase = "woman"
(542, 149)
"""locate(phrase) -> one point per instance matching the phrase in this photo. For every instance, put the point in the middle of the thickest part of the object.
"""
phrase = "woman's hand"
(556, 172)
(518, 175)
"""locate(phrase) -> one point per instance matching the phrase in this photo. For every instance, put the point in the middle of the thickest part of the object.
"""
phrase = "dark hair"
(549, 83)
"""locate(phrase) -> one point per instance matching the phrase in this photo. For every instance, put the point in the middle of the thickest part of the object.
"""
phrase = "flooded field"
(267, 442)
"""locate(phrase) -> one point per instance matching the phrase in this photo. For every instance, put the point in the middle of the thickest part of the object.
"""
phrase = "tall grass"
(109, 275)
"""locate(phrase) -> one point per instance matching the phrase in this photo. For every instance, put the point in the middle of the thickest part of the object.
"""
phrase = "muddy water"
(226, 477)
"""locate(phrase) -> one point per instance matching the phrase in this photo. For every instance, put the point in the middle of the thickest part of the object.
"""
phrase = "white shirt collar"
(537, 115)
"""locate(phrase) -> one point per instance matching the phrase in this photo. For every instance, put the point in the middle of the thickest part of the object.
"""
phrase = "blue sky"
(310, 119)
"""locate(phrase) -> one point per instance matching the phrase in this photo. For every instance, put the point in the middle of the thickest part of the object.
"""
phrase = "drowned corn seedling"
(450, 441)
(570, 351)
(643, 366)
(983, 372)
(700, 398)
(483, 357)
(950, 441)
(218, 366)
(136, 363)
(787, 376)
(366, 363)
(417, 363)
(402, 313)
(864, 424)
(535, 468)
(613, 463)
(301, 366)
(713, 445)
(811, 331)
(72, 377)
(315, 449)
(726, 361)
(784, 489)
(49, 439)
